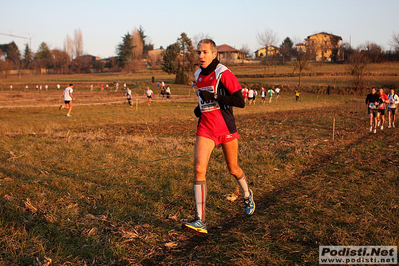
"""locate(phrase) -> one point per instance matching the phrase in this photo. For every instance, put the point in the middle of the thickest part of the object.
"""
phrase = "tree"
(246, 50)
(359, 62)
(78, 43)
(394, 42)
(170, 61)
(43, 52)
(146, 45)
(179, 59)
(43, 58)
(188, 55)
(5, 65)
(198, 37)
(373, 51)
(286, 49)
(69, 46)
(60, 61)
(301, 63)
(266, 39)
(125, 50)
(28, 56)
(13, 54)
(137, 44)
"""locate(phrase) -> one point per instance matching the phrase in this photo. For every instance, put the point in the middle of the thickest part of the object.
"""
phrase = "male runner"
(270, 92)
(68, 98)
(372, 104)
(393, 102)
(263, 95)
(149, 93)
(277, 90)
(250, 96)
(218, 91)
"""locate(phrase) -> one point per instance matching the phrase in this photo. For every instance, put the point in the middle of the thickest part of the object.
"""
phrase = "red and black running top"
(217, 117)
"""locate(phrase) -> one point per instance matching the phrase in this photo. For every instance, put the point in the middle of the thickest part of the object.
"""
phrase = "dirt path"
(32, 99)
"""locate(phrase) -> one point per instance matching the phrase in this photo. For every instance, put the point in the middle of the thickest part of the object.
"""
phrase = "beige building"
(271, 50)
(230, 55)
(323, 46)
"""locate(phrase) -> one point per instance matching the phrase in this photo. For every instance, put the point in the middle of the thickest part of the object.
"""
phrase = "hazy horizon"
(236, 23)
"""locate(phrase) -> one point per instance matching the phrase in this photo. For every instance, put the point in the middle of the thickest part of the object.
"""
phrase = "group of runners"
(251, 94)
(378, 104)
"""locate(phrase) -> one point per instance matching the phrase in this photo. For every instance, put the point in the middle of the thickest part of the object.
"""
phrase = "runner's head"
(207, 52)
(373, 90)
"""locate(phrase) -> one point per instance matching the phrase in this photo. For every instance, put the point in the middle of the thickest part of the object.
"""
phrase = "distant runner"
(393, 99)
(372, 104)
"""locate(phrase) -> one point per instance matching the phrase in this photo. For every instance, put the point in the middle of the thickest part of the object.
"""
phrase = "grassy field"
(111, 185)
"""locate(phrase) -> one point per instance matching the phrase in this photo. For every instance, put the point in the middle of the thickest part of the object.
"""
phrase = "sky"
(237, 23)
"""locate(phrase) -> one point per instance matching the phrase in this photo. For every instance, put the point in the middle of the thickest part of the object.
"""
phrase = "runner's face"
(205, 54)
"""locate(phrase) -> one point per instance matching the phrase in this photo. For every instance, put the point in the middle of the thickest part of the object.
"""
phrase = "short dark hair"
(211, 42)
(70, 84)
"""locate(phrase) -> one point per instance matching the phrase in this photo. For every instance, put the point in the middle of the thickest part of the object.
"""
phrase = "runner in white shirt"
(68, 98)
(129, 96)
(277, 90)
(393, 99)
(250, 96)
(149, 93)
(167, 91)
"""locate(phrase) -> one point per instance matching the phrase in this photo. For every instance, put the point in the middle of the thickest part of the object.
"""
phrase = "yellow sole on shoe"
(194, 230)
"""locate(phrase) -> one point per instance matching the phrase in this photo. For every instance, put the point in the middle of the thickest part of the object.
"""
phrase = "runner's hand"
(207, 96)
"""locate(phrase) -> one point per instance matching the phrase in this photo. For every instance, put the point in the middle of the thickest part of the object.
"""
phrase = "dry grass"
(111, 184)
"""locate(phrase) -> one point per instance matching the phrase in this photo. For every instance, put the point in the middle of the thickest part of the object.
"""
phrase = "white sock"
(242, 182)
(200, 198)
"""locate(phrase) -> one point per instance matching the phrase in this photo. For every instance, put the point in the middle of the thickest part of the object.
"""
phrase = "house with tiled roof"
(228, 54)
(269, 51)
(323, 46)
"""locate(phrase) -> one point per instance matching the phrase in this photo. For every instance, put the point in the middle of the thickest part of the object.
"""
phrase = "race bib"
(207, 106)
(372, 106)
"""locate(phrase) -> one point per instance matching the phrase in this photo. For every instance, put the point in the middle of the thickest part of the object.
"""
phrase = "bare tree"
(78, 41)
(137, 44)
(266, 39)
(301, 63)
(69, 47)
(359, 62)
(198, 37)
(394, 42)
(374, 51)
(246, 50)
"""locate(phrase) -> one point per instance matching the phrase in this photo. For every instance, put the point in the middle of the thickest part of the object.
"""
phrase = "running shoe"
(382, 127)
(375, 130)
(371, 128)
(196, 226)
(389, 125)
(249, 204)
(69, 115)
